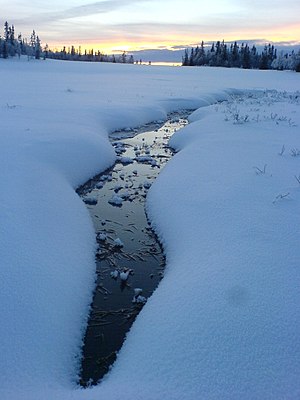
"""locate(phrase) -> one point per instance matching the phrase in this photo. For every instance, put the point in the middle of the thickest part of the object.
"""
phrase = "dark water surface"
(130, 260)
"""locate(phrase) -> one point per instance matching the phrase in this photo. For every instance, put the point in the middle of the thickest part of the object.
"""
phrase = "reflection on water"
(130, 261)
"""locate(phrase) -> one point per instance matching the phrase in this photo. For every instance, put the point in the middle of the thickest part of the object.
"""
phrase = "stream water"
(130, 260)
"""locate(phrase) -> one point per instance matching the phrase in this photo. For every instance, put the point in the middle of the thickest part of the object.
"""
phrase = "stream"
(130, 261)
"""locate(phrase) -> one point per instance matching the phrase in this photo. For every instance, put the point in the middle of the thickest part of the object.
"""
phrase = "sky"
(117, 25)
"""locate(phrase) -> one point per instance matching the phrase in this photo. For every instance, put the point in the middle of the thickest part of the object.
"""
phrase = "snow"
(118, 242)
(114, 274)
(90, 200)
(102, 236)
(147, 185)
(124, 275)
(138, 298)
(116, 200)
(224, 322)
(125, 160)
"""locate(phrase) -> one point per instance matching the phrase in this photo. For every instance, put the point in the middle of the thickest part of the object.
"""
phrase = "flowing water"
(130, 260)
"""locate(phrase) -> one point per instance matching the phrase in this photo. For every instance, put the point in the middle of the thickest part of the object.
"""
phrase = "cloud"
(85, 10)
(139, 35)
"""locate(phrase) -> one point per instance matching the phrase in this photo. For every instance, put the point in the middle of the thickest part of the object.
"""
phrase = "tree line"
(76, 54)
(221, 54)
(11, 46)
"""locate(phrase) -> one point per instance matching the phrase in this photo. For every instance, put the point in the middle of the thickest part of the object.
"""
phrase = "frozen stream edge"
(128, 268)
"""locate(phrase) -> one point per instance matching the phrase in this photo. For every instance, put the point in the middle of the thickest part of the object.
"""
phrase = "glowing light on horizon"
(177, 41)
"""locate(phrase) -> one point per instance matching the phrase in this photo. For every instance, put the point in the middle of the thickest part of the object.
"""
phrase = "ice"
(90, 200)
(118, 187)
(118, 242)
(144, 159)
(116, 200)
(139, 299)
(124, 195)
(125, 160)
(124, 275)
(147, 185)
(102, 236)
(114, 274)
(137, 291)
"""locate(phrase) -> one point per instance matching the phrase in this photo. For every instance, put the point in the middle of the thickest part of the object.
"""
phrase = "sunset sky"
(112, 25)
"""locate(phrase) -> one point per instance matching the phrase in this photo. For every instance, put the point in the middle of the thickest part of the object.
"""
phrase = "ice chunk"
(125, 160)
(124, 275)
(114, 274)
(90, 200)
(118, 243)
(102, 236)
(139, 299)
(115, 200)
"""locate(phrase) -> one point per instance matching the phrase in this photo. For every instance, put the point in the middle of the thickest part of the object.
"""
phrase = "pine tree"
(46, 51)
(6, 31)
(31, 50)
(196, 55)
(5, 49)
(12, 35)
(264, 59)
(254, 57)
(224, 55)
(246, 59)
(185, 59)
(235, 59)
(38, 48)
(191, 61)
(202, 58)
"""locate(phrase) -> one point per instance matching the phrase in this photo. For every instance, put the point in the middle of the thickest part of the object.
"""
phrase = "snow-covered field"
(224, 323)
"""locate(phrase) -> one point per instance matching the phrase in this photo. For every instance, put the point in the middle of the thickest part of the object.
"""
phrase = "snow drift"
(224, 322)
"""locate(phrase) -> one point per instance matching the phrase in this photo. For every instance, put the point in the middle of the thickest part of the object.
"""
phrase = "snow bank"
(223, 322)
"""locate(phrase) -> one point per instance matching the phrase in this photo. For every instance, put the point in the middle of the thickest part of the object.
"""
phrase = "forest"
(11, 46)
(233, 55)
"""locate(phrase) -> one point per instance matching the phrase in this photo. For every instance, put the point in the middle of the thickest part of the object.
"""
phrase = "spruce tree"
(202, 58)
(5, 50)
(185, 60)
(246, 59)
(6, 31)
(264, 59)
(38, 48)
(192, 62)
